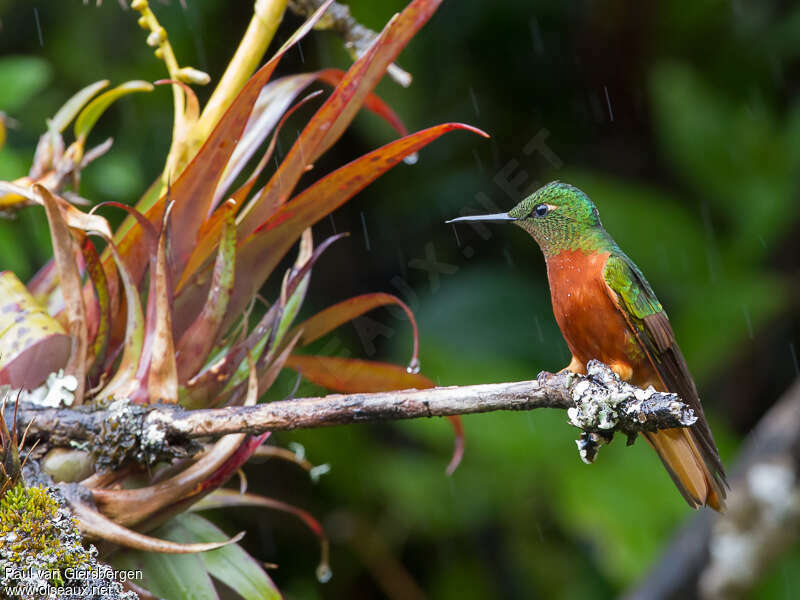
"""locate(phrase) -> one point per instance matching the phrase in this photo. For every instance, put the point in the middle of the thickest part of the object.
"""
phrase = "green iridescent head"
(559, 217)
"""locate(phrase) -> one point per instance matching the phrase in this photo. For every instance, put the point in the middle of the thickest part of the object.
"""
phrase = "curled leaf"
(332, 317)
(73, 106)
(97, 526)
(92, 112)
(162, 381)
(124, 378)
(64, 251)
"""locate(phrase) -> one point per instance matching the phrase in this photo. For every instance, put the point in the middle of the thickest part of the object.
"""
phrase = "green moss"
(33, 523)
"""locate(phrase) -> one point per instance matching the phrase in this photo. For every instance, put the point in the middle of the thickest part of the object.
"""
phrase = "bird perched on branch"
(606, 310)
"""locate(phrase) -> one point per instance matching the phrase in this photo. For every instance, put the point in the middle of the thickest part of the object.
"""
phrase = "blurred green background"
(680, 119)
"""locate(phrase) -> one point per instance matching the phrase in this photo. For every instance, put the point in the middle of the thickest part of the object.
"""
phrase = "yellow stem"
(267, 16)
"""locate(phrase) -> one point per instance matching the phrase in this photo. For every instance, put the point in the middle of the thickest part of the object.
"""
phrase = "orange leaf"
(351, 375)
(262, 251)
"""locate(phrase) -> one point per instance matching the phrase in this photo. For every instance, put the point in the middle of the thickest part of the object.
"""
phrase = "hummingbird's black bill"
(496, 217)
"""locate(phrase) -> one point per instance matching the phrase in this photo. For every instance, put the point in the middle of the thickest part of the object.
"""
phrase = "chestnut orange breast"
(592, 325)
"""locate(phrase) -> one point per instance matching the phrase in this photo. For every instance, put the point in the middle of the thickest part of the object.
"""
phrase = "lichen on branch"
(598, 403)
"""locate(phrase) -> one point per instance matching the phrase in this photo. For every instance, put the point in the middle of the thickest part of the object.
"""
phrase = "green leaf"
(21, 78)
(738, 154)
(169, 576)
(93, 111)
(230, 564)
(72, 106)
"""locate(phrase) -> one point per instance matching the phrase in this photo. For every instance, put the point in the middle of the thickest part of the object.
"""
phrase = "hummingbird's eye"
(540, 210)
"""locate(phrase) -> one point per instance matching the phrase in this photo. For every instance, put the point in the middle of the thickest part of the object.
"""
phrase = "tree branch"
(598, 403)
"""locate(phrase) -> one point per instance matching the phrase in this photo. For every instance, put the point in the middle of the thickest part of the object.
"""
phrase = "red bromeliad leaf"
(271, 107)
(262, 120)
(332, 317)
(159, 501)
(162, 379)
(243, 192)
(103, 305)
(192, 110)
(260, 253)
(335, 115)
(458, 444)
(64, 250)
(372, 102)
(125, 376)
(208, 240)
(205, 387)
(351, 375)
(193, 190)
(209, 233)
(198, 340)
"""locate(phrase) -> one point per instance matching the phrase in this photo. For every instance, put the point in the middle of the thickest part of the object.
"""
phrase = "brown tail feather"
(684, 462)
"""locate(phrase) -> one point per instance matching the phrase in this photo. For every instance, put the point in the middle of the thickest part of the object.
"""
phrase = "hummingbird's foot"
(574, 366)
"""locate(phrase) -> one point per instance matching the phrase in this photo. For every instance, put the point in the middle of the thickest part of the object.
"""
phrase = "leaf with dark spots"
(32, 343)
(372, 102)
(64, 251)
(335, 115)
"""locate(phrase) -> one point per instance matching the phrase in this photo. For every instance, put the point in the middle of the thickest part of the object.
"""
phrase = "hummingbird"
(607, 310)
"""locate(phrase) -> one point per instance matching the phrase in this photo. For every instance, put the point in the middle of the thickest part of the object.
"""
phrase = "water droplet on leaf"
(324, 573)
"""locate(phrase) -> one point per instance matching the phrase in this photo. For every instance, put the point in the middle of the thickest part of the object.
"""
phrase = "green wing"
(640, 305)
(635, 298)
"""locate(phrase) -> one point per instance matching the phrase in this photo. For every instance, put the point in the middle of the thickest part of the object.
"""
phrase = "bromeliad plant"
(158, 311)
